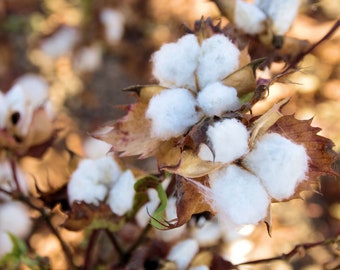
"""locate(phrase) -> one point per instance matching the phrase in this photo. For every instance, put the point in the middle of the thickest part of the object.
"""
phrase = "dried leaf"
(145, 92)
(131, 134)
(192, 198)
(85, 215)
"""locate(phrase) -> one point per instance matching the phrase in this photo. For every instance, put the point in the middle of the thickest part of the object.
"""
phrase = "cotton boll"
(279, 163)
(229, 139)
(109, 170)
(14, 218)
(61, 42)
(207, 235)
(121, 195)
(239, 196)
(183, 252)
(94, 148)
(113, 21)
(6, 245)
(249, 18)
(175, 63)
(217, 98)
(219, 57)
(281, 13)
(88, 59)
(172, 112)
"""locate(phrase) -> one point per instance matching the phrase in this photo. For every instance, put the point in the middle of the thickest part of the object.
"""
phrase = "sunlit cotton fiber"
(239, 196)
(175, 63)
(172, 112)
(217, 98)
(249, 17)
(229, 139)
(279, 163)
(218, 58)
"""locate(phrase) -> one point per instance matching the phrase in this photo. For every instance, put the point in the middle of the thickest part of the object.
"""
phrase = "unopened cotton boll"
(15, 219)
(239, 196)
(249, 18)
(175, 63)
(279, 163)
(172, 112)
(217, 98)
(113, 21)
(183, 252)
(121, 194)
(219, 57)
(281, 13)
(229, 139)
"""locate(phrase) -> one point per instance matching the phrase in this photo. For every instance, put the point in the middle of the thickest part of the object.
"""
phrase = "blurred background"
(88, 51)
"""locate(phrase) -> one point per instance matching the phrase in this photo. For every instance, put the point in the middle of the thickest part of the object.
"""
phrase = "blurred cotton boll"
(113, 21)
(5, 244)
(172, 112)
(14, 218)
(88, 59)
(183, 252)
(94, 148)
(61, 42)
(175, 63)
(3, 110)
(279, 163)
(91, 181)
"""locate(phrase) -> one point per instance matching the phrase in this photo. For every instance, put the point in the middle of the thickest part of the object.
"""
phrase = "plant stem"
(88, 256)
(116, 245)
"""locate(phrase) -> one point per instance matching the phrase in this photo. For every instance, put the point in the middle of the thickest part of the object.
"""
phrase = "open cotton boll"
(249, 18)
(281, 13)
(239, 196)
(229, 139)
(6, 245)
(175, 63)
(183, 253)
(172, 112)
(279, 163)
(92, 179)
(121, 194)
(14, 218)
(207, 235)
(113, 21)
(217, 98)
(218, 58)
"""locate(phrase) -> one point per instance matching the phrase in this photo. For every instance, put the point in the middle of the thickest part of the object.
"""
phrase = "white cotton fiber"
(279, 163)
(229, 139)
(239, 196)
(208, 235)
(217, 98)
(94, 148)
(219, 57)
(249, 18)
(183, 252)
(281, 13)
(14, 218)
(6, 245)
(92, 179)
(3, 110)
(113, 21)
(121, 195)
(172, 112)
(174, 64)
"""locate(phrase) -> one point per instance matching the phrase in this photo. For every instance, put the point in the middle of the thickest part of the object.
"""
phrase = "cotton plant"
(199, 125)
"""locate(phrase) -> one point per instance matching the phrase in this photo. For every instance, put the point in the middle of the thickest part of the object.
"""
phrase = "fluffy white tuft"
(175, 63)
(217, 98)
(229, 139)
(183, 252)
(113, 21)
(281, 13)
(14, 218)
(207, 235)
(94, 148)
(6, 245)
(219, 57)
(121, 195)
(92, 179)
(239, 196)
(279, 163)
(249, 18)
(88, 59)
(172, 112)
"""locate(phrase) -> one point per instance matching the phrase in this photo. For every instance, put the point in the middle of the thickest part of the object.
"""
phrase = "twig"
(116, 245)
(88, 256)
(289, 255)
